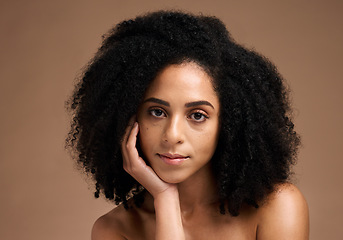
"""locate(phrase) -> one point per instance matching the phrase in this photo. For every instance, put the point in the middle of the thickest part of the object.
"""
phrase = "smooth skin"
(177, 126)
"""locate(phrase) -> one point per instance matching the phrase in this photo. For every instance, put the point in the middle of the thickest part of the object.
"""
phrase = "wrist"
(169, 196)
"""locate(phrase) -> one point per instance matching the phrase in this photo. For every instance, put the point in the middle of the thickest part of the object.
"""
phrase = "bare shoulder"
(111, 225)
(284, 215)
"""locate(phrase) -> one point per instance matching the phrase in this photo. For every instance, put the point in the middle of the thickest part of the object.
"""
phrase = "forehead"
(186, 81)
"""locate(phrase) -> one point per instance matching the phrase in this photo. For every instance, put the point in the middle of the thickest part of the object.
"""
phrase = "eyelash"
(151, 111)
(203, 116)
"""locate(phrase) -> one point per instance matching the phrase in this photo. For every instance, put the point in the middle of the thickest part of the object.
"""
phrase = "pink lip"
(172, 159)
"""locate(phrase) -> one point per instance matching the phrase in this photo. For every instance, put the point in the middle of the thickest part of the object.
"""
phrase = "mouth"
(172, 159)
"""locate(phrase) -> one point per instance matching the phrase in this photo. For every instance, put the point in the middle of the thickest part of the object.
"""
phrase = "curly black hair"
(257, 144)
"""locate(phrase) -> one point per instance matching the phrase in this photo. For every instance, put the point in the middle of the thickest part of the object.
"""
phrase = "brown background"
(44, 44)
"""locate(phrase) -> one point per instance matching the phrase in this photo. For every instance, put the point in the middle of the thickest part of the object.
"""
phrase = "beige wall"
(44, 44)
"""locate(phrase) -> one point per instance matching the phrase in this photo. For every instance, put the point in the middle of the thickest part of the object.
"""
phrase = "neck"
(200, 190)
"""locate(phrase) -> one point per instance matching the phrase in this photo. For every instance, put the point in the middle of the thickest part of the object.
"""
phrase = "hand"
(166, 197)
(136, 166)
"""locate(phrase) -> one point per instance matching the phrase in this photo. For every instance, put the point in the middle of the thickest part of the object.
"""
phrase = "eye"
(199, 116)
(157, 113)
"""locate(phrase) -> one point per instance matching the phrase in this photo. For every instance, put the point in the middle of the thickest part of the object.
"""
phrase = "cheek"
(143, 134)
(148, 137)
(206, 142)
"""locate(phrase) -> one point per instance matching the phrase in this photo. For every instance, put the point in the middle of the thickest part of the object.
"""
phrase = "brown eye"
(157, 113)
(198, 117)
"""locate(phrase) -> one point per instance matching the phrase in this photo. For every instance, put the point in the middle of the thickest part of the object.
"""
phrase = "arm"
(284, 216)
(168, 216)
(166, 196)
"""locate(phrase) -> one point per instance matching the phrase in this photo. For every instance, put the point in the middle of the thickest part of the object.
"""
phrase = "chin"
(172, 178)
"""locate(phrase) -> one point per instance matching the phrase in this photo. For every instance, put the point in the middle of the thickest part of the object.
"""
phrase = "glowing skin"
(179, 122)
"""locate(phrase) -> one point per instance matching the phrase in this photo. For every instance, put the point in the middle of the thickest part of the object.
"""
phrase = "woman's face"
(179, 122)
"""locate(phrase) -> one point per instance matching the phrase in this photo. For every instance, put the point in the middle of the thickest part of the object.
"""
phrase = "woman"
(189, 132)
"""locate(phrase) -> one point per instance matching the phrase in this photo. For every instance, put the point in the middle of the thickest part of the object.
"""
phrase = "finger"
(136, 165)
(131, 143)
(129, 149)
(128, 129)
(132, 138)
(126, 135)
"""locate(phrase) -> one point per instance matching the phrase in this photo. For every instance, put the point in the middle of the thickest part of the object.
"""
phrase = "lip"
(173, 159)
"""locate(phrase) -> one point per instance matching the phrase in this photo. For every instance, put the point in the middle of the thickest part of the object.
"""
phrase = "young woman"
(189, 132)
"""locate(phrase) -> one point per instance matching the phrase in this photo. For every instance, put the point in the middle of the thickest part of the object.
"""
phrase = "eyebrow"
(190, 104)
(156, 100)
(198, 103)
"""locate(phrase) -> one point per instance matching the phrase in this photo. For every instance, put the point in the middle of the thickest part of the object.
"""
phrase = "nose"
(174, 131)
